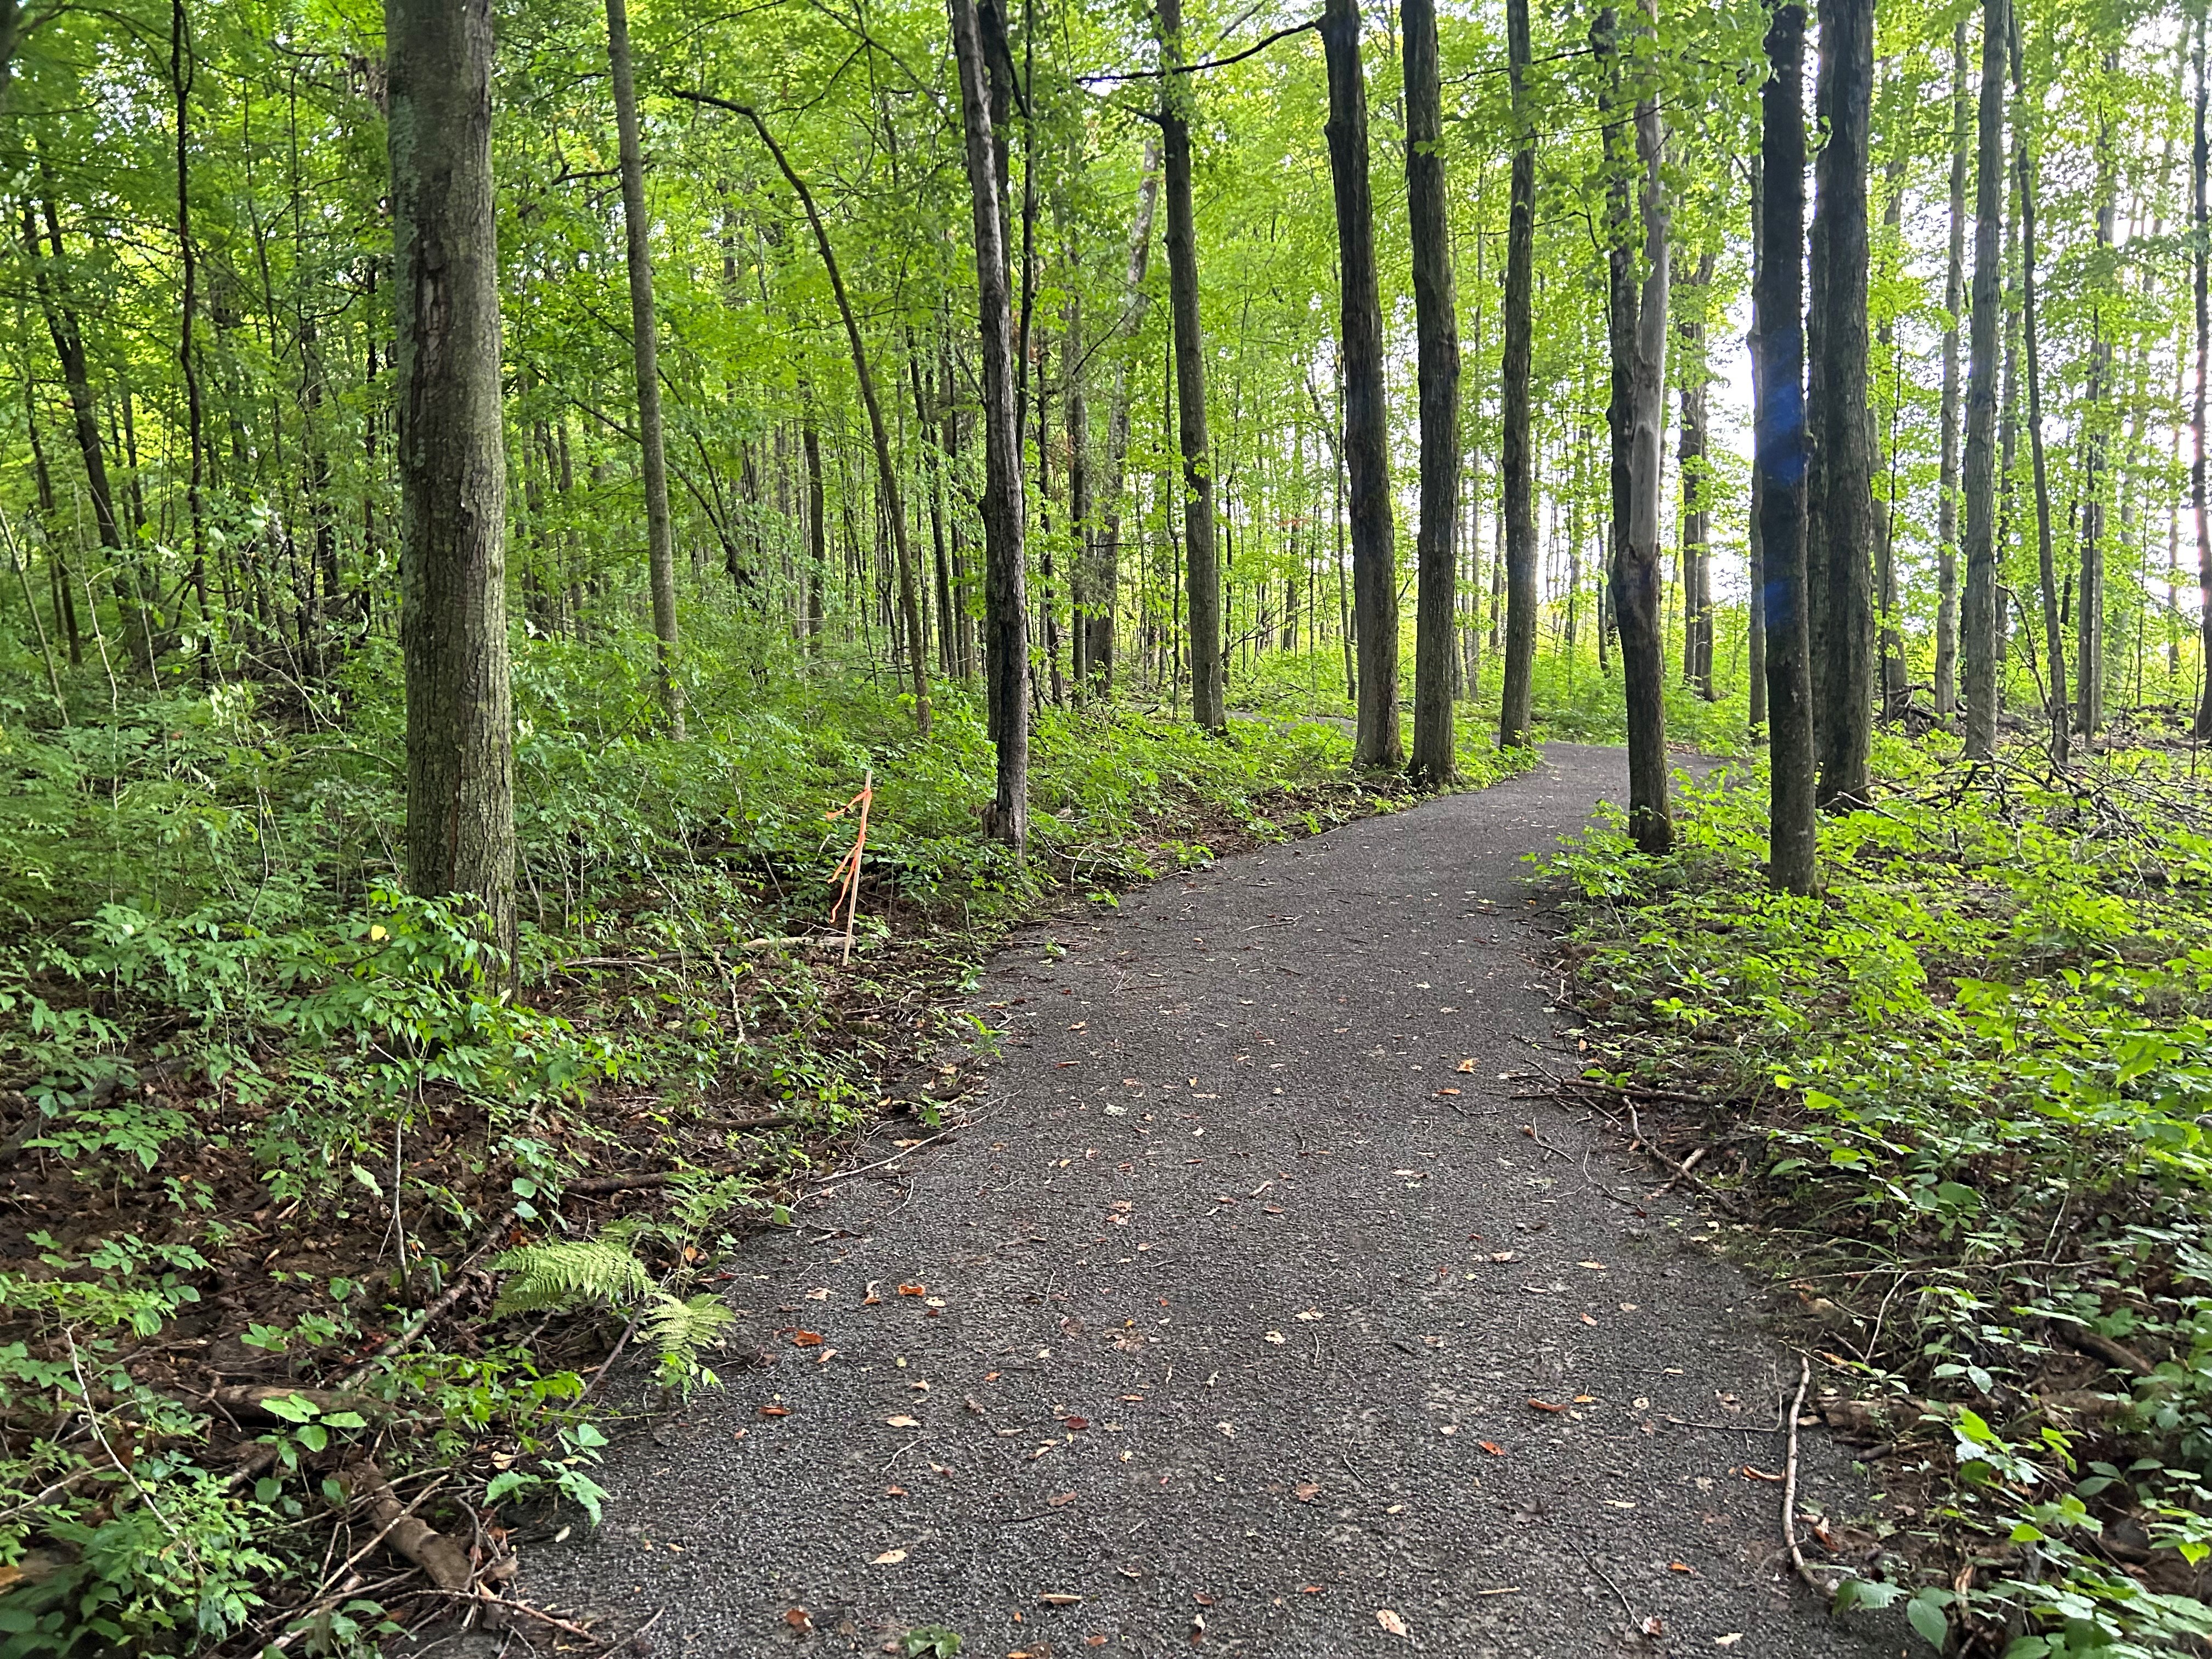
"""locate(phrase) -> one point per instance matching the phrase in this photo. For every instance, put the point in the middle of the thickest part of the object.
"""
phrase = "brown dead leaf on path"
(1306, 1491)
(807, 1338)
(1654, 1627)
(1751, 1473)
(888, 1559)
(1077, 1425)
(900, 1421)
(914, 1290)
(1492, 1447)
(775, 1411)
(1467, 1065)
(1544, 1405)
(798, 1620)
(820, 1295)
(1447, 1092)
(1388, 1619)
(1059, 1501)
(1060, 1599)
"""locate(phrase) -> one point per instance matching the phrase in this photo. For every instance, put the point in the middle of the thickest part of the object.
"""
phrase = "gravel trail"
(1236, 1301)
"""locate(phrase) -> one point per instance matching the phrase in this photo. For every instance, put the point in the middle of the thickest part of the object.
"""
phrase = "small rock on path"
(1222, 1329)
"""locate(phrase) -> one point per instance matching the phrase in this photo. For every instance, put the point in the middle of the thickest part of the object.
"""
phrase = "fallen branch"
(445, 1561)
(2120, 1358)
(1682, 1170)
(1790, 1482)
(325, 1595)
(256, 1399)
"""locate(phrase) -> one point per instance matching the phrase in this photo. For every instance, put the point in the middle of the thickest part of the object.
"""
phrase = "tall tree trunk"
(1375, 742)
(2200, 264)
(1518, 508)
(181, 76)
(1947, 489)
(2089, 629)
(1637, 315)
(1978, 618)
(2054, 644)
(1106, 580)
(1896, 693)
(68, 337)
(1076, 416)
(1697, 581)
(1840, 503)
(1005, 620)
(1754, 544)
(817, 523)
(659, 532)
(1436, 304)
(451, 456)
(1778, 335)
(1201, 565)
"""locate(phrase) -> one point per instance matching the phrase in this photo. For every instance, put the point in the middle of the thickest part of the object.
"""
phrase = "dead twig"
(1789, 1483)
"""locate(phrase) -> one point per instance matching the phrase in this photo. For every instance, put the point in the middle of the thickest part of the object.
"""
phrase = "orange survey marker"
(847, 876)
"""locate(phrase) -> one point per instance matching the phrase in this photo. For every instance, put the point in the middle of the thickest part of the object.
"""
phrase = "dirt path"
(1233, 1320)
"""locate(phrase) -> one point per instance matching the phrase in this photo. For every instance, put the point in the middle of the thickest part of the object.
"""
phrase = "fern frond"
(567, 1274)
(680, 1329)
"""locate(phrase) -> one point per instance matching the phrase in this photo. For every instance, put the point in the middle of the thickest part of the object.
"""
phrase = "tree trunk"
(1366, 411)
(181, 76)
(659, 532)
(1839, 500)
(1754, 545)
(1637, 315)
(1697, 581)
(1779, 334)
(1896, 693)
(1201, 567)
(1436, 304)
(1518, 506)
(451, 458)
(1105, 582)
(2056, 709)
(1076, 416)
(1947, 489)
(2200, 266)
(817, 523)
(2089, 627)
(1005, 621)
(1978, 619)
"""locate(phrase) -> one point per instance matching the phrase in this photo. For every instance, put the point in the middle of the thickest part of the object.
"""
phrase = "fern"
(574, 1273)
(545, 1277)
(680, 1329)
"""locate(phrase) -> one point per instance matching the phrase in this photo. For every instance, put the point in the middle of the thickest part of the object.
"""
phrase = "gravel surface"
(1224, 1326)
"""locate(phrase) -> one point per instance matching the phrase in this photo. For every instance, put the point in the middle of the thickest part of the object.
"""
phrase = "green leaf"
(1929, 1620)
(293, 1408)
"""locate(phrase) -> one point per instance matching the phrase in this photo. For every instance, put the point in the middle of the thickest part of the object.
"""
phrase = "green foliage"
(1980, 1064)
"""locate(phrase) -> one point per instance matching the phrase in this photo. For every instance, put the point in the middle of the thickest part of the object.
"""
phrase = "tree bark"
(1435, 305)
(1637, 314)
(451, 457)
(1895, 692)
(2200, 269)
(1697, 578)
(2089, 626)
(1005, 621)
(1779, 332)
(2057, 710)
(1754, 544)
(1839, 499)
(1106, 580)
(1978, 618)
(1518, 506)
(1200, 564)
(181, 76)
(1947, 489)
(1376, 743)
(659, 531)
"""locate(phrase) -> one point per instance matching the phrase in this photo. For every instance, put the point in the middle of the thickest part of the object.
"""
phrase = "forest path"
(1216, 1335)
